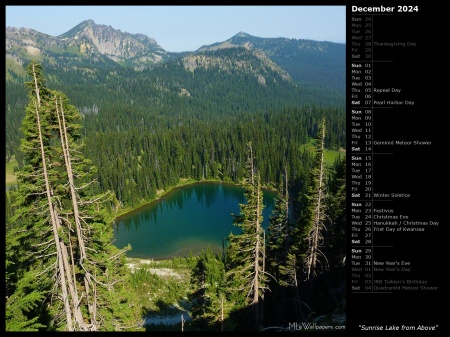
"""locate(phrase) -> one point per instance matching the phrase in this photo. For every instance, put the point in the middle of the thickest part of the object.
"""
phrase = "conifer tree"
(279, 257)
(60, 234)
(279, 239)
(336, 209)
(208, 278)
(33, 244)
(246, 252)
(285, 304)
(313, 218)
(336, 247)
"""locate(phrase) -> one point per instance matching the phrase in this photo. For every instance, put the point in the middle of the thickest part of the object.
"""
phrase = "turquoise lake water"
(187, 219)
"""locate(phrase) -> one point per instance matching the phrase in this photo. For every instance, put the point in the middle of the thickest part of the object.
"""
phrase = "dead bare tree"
(70, 298)
(314, 255)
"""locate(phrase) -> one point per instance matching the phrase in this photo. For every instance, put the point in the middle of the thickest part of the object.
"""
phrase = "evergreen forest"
(90, 147)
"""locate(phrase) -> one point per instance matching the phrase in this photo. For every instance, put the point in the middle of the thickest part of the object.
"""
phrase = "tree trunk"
(256, 262)
(314, 239)
(63, 260)
(66, 153)
(55, 227)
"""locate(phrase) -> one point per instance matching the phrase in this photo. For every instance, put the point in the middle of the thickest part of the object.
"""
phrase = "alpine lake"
(185, 221)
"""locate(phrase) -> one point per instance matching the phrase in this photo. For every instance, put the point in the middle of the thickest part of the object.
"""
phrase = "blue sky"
(187, 28)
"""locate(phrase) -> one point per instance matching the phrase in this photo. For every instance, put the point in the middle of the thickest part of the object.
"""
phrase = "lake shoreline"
(183, 182)
(163, 193)
(184, 221)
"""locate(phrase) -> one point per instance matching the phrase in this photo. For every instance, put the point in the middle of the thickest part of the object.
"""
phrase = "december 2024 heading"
(383, 9)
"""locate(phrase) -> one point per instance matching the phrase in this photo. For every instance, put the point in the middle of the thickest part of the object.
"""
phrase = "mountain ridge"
(91, 46)
(117, 45)
(101, 69)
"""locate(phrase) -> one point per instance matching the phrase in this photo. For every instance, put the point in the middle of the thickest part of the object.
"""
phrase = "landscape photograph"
(175, 168)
